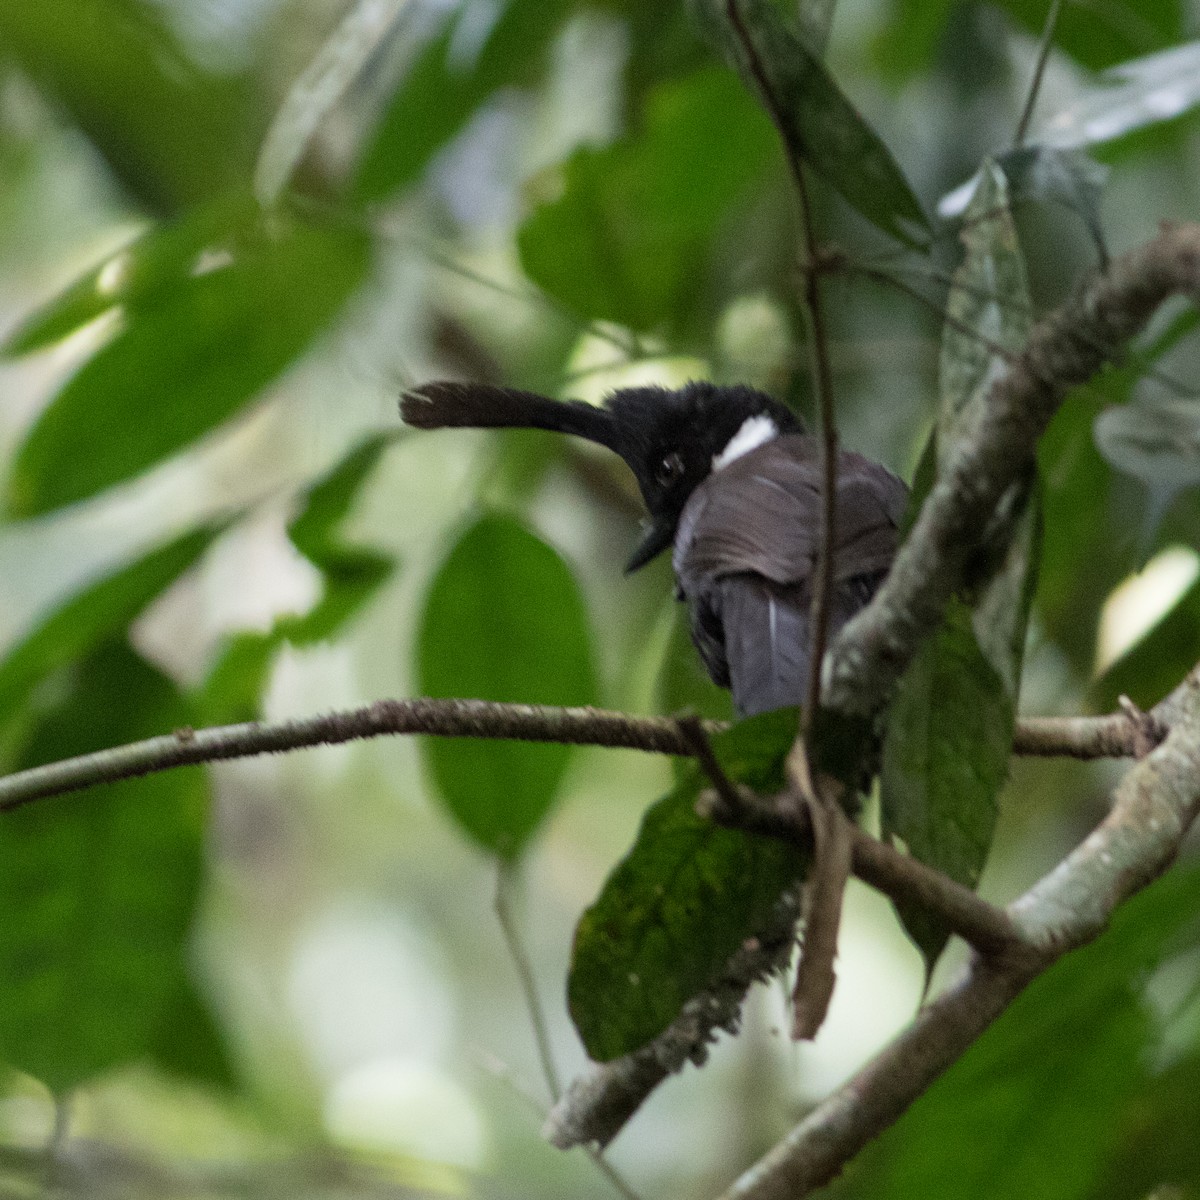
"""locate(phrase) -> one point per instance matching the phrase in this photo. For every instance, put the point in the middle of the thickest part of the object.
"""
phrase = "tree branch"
(1112, 736)
(1064, 349)
(1153, 807)
(440, 718)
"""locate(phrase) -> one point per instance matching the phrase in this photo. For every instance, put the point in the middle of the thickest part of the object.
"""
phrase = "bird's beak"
(658, 535)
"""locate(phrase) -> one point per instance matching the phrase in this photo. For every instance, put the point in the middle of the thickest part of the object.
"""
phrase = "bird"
(732, 484)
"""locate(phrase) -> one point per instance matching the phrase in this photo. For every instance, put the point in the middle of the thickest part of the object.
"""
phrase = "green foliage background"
(285, 977)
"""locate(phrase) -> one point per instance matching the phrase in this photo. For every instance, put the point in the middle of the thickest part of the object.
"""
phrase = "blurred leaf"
(1158, 442)
(1157, 1149)
(189, 1044)
(1129, 97)
(815, 17)
(94, 615)
(100, 889)
(949, 730)
(350, 575)
(444, 88)
(817, 122)
(1044, 173)
(1092, 515)
(336, 65)
(139, 276)
(1153, 666)
(628, 236)
(1033, 1107)
(184, 365)
(1094, 35)
(681, 902)
(172, 132)
(683, 685)
(504, 620)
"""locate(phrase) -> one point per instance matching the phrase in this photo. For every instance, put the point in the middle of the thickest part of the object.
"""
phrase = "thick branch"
(1064, 349)
(1153, 807)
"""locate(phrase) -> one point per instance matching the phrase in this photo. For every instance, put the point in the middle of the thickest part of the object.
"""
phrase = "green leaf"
(1033, 1108)
(681, 902)
(949, 731)
(188, 362)
(1157, 441)
(350, 576)
(1092, 514)
(504, 620)
(99, 889)
(819, 125)
(441, 92)
(630, 231)
(945, 758)
(139, 276)
(172, 132)
(95, 615)
(1040, 174)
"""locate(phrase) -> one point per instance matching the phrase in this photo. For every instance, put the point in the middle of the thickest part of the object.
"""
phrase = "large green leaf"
(504, 620)
(442, 90)
(1034, 1107)
(681, 902)
(350, 575)
(629, 237)
(138, 277)
(950, 727)
(945, 758)
(184, 365)
(99, 891)
(817, 122)
(173, 132)
(96, 614)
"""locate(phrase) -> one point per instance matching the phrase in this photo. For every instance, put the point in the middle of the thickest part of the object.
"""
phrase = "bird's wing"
(762, 515)
(744, 556)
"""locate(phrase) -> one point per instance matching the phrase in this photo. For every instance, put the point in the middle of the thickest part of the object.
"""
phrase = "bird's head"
(671, 439)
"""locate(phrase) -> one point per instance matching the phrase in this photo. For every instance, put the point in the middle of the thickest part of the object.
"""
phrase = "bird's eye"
(669, 469)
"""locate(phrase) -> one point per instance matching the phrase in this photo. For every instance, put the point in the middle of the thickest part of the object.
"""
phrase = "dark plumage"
(743, 515)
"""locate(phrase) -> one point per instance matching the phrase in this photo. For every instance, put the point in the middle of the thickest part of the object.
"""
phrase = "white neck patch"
(755, 432)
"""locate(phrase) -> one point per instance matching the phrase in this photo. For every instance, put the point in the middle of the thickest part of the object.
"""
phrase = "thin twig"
(1110, 736)
(1035, 84)
(505, 879)
(439, 718)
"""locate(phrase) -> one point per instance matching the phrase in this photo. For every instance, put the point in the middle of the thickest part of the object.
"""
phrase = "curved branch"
(1064, 349)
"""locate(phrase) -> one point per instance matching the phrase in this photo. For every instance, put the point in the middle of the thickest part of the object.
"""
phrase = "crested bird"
(732, 483)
